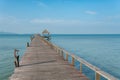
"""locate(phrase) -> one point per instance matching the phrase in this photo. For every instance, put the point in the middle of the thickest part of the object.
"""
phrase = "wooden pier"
(45, 61)
(42, 62)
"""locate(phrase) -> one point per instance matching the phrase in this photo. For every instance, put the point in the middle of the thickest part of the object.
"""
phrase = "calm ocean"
(7, 45)
(102, 51)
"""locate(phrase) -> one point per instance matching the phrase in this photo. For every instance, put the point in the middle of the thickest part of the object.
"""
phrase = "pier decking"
(41, 62)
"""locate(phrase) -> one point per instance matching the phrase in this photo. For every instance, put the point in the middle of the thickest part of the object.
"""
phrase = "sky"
(60, 16)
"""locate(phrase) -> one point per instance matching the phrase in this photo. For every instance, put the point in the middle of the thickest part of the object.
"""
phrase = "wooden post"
(62, 53)
(73, 61)
(97, 76)
(28, 44)
(66, 57)
(31, 38)
(80, 67)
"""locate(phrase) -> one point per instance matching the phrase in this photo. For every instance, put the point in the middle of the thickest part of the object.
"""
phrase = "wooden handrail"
(98, 71)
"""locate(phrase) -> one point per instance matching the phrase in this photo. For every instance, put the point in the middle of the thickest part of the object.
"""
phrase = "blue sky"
(60, 16)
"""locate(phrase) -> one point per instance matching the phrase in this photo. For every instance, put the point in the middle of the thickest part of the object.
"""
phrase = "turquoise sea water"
(7, 45)
(102, 51)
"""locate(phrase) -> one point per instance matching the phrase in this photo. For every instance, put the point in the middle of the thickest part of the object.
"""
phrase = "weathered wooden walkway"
(41, 62)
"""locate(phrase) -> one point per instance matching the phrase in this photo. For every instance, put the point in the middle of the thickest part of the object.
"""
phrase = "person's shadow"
(38, 63)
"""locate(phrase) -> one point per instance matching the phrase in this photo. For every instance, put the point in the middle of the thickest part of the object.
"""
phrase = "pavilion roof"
(45, 32)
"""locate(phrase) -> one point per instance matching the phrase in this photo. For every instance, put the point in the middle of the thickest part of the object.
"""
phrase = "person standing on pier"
(16, 58)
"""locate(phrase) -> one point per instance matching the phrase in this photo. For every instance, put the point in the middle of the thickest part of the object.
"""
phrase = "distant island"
(13, 34)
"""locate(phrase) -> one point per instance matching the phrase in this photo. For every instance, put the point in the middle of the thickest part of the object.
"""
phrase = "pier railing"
(98, 71)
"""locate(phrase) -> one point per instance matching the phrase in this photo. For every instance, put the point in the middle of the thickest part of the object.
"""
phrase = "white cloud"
(90, 12)
(114, 17)
(46, 21)
(65, 22)
(41, 4)
(55, 21)
(8, 20)
(12, 21)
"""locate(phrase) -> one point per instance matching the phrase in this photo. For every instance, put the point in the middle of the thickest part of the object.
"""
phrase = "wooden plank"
(41, 62)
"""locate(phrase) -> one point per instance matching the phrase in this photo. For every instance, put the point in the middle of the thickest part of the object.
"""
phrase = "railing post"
(97, 76)
(80, 67)
(28, 44)
(73, 61)
(66, 57)
(62, 53)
